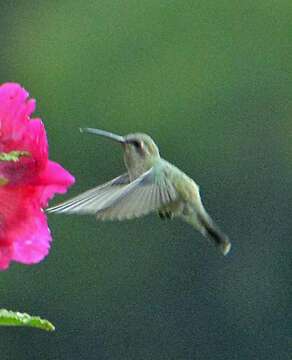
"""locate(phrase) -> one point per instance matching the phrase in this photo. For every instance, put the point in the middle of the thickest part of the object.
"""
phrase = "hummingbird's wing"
(145, 194)
(86, 203)
(120, 199)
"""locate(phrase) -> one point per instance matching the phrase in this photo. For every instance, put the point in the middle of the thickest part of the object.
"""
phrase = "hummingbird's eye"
(137, 144)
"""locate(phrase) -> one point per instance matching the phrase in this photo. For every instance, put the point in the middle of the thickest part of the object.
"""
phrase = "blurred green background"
(211, 82)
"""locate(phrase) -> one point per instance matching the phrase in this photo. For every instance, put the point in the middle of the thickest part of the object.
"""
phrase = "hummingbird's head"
(140, 150)
(140, 146)
(140, 154)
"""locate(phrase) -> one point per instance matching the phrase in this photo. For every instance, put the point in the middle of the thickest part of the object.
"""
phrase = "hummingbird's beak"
(107, 134)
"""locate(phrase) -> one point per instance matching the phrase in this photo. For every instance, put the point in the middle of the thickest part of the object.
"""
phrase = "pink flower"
(26, 185)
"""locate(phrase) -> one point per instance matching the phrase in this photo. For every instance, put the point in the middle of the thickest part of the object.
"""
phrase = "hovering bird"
(150, 184)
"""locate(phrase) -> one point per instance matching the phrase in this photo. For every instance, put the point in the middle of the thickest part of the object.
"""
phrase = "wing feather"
(91, 200)
(147, 193)
(121, 199)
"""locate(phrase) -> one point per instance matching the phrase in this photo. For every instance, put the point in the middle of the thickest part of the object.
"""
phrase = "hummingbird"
(150, 184)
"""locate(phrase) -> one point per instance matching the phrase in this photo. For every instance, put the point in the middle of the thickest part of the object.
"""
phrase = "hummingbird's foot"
(165, 214)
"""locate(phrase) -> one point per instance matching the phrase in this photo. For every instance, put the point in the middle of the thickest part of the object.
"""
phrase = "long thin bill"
(107, 134)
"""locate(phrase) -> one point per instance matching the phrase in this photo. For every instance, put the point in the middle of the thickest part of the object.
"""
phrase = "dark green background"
(211, 82)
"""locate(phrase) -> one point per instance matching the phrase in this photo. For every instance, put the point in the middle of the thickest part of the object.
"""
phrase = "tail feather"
(214, 233)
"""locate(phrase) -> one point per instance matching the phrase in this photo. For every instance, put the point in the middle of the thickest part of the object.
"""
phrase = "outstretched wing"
(147, 193)
(119, 200)
(92, 200)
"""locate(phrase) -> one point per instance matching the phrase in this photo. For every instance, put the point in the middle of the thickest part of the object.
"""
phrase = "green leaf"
(11, 318)
(13, 155)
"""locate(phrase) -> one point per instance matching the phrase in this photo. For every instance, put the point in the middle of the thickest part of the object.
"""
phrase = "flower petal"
(15, 111)
(31, 240)
(54, 179)
(24, 233)
(5, 256)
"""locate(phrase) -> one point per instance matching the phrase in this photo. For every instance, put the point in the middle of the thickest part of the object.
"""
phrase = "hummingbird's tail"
(212, 231)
